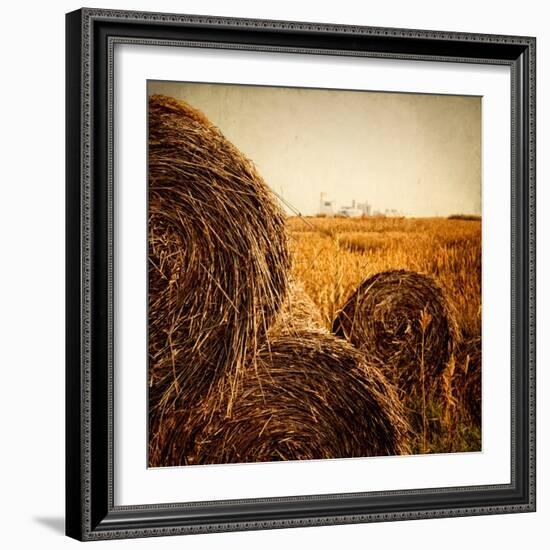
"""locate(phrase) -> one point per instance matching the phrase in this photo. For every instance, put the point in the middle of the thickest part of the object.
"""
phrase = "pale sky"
(417, 154)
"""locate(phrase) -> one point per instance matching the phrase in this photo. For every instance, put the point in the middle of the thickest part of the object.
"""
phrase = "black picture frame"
(90, 510)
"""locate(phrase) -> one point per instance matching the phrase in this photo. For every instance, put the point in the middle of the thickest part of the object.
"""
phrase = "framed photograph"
(300, 274)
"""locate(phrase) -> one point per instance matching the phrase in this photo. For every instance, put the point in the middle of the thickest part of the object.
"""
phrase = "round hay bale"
(310, 396)
(467, 378)
(218, 256)
(403, 323)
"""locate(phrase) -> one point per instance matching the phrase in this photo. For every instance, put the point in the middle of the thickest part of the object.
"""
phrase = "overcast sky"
(417, 154)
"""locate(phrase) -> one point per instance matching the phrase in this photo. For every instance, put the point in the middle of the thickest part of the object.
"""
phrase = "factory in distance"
(328, 207)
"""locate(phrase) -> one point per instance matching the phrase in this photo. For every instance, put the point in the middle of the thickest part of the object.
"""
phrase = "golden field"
(332, 256)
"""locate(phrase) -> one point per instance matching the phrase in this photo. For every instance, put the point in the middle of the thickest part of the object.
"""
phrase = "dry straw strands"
(310, 396)
(240, 366)
(403, 323)
(298, 312)
(218, 257)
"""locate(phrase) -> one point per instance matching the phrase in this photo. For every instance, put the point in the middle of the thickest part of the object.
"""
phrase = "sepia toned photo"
(314, 274)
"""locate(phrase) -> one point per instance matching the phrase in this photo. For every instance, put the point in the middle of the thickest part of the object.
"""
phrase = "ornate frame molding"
(91, 36)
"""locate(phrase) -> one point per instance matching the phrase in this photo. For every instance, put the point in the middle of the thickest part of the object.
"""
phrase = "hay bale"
(218, 256)
(309, 396)
(298, 312)
(401, 320)
(467, 378)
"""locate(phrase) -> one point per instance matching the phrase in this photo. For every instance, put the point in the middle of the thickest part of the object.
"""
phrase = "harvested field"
(333, 257)
(284, 338)
(240, 367)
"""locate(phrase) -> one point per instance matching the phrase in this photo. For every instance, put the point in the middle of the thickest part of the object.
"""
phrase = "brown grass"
(468, 376)
(467, 217)
(331, 270)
